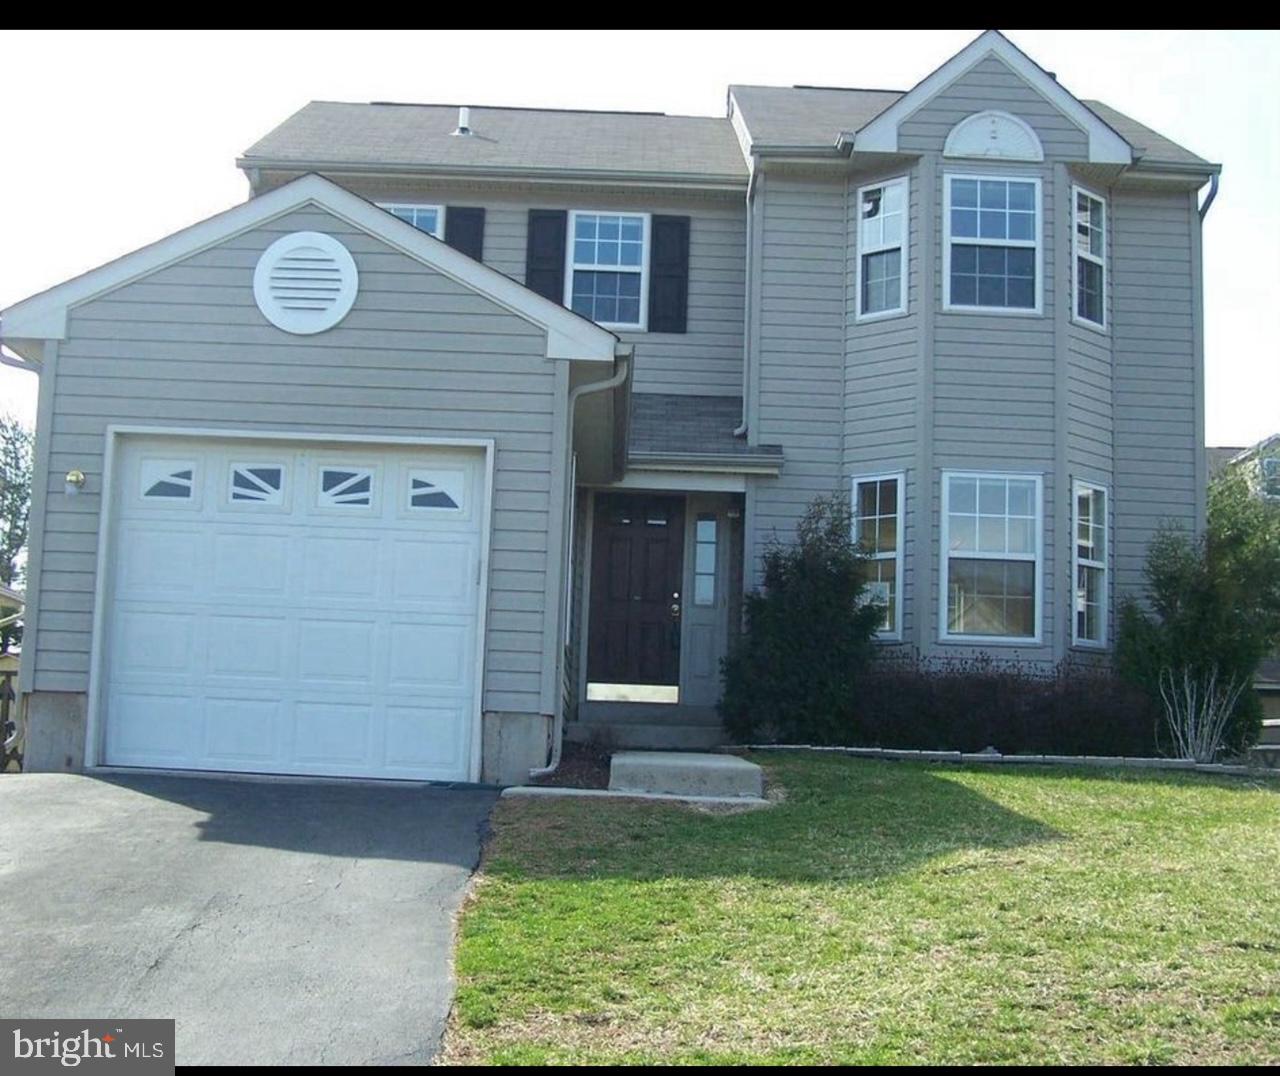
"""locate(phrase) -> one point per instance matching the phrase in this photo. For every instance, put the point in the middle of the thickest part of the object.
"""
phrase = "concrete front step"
(654, 737)
(685, 774)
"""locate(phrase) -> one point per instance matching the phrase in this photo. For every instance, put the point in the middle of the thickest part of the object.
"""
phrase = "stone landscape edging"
(992, 758)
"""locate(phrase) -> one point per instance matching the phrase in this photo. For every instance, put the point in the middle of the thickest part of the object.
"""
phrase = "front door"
(637, 567)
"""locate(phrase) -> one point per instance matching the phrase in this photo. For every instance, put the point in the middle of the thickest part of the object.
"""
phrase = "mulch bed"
(581, 766)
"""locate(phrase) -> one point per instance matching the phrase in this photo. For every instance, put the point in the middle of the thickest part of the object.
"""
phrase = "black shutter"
(464, 230)
(669, 275)
(544, 256)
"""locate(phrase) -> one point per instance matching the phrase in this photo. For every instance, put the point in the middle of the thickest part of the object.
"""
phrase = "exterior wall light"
(74, 482)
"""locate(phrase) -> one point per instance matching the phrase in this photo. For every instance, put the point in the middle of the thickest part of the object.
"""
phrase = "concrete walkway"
(278, 923)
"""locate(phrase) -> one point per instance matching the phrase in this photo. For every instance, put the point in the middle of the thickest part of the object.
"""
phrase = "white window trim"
(1077, 562)
(391, 207)
(1037, 244)
(570, 266)
(1077, 254)
(901, 308)
(901, 478)
(943, 573)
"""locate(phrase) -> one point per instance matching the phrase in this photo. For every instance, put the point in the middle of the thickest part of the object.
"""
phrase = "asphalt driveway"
(278, 923)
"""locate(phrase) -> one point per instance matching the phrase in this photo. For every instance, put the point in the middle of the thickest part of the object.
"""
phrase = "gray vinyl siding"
(800, 352)
(944, 390)
(704, 361)
(1156, 395)
(991, 84)
(994, 381)
(1090, 413)
(419, 355)
(882, 377)
(994, 393)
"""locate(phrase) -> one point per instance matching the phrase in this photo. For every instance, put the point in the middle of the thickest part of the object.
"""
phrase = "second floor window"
(882, 249)
(426, 218)
(1090, 254)
(608, 268)
(992, 246)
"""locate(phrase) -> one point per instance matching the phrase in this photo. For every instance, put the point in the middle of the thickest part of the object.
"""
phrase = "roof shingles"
(706, 148)
(421, 136)
(682, 426)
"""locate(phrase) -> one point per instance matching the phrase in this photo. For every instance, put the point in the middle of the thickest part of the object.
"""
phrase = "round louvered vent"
(305, 282)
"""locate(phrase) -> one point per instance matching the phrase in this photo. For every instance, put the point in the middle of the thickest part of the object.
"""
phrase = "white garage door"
(301, 608)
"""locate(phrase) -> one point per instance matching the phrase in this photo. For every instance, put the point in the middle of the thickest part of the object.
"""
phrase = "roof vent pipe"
(464, 121)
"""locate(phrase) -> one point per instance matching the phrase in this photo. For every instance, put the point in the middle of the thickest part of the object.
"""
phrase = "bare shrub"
(1197, 708)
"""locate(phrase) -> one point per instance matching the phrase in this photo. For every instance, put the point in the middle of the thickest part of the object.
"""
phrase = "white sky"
(114, 139)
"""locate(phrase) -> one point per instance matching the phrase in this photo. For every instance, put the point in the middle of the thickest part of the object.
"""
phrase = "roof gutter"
(710, 462)
(693, 180)
(624, 353)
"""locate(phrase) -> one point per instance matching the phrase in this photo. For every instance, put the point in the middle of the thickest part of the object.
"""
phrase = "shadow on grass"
(841, 821)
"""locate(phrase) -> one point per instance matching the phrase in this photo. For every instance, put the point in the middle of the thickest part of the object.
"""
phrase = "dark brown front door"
(637, 561)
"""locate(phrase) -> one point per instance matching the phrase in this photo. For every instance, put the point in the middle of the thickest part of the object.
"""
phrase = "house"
(1260, 464)
(470, 425)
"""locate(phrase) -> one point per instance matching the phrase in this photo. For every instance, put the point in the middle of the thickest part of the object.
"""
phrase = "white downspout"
(741, 431)
(619, 377)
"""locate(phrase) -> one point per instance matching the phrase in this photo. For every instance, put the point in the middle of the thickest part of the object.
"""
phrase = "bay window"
(992, 249)
(1090, 269)
(1089, 557)
(877, 529)
(991, 557)
(882, 249)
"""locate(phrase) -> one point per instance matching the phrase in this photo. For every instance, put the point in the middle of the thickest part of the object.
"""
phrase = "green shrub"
(949, 704)
(807, 636)
(1212, 603)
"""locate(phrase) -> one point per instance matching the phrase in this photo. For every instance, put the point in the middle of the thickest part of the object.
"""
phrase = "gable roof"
(331, 135)
(881, 134)
(800, 118)
(569, 335)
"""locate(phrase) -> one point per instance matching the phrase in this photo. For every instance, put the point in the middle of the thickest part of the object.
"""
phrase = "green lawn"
(883, 913)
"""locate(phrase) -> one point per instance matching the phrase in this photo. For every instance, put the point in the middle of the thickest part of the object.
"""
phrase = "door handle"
(675, 606)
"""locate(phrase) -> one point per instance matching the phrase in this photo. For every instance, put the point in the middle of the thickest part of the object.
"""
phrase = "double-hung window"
(1090, 564)
(877, 528)
(991, 550)
(1090, 270)
(608, 267)
(992, 250)
(426, 218)
(882, 249)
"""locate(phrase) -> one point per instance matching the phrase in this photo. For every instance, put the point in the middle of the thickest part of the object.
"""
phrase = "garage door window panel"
(436, 491)
(168, 481)
(346, 487)
(257, 484)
